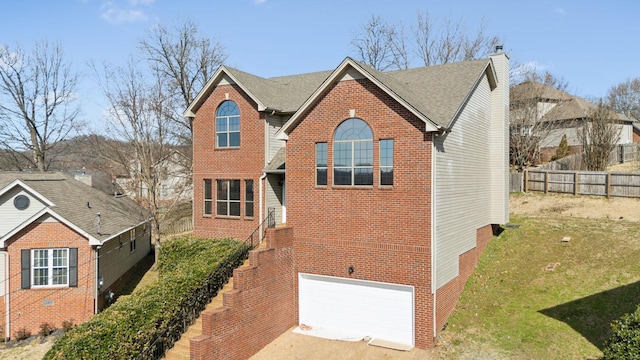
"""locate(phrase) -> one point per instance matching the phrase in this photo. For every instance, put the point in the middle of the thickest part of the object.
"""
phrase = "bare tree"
(184, 62)
(598, 136)
(625, 98)
(384, 45)
(528, 102)
(451, 42)
(141, 116)
(381, 45)
(37, 104)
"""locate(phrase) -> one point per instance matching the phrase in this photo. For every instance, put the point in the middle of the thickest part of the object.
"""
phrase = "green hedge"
(625, 341)
(141, 325)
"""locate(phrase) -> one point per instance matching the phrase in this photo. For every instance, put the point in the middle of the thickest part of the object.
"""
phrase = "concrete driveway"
(292, 346)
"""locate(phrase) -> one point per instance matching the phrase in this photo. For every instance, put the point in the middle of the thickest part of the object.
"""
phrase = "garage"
(356, 307)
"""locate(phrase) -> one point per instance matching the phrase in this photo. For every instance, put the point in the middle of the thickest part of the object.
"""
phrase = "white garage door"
(359, 308)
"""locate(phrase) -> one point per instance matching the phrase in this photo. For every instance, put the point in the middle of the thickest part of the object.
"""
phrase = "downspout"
(97, 279)
(7, 293)
(433, 233)
(264, 175)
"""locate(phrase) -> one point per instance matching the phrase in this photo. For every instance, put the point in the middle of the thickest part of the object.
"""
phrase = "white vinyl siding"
(499, 150)
(12, 217)
(463, 180)
(273, 124)
(115, 261)
(274, 196)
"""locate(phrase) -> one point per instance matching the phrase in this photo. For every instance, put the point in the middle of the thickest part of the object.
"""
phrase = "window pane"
(342, 154)
(207, 189)
(363, 176)
(223, 186)
(363, 153)
(248, 198)
(222, 140)
(207, 207)
(321, 177)
(234, 190)
(221, 208)
(353, 129)
(386, 176)
(59, 257)
(40, 258)
(228, 108)
(40, 277)
(321, 154)
(234, 124)
(222, 125)
(59, 276)
(342, 176)
(386, 152)
(234, 139)
(249, 189)
(234, 209)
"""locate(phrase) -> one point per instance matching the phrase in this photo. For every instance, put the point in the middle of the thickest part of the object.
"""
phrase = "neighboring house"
(64, 249)
(556, 114)
(174, 180)
(392, 183)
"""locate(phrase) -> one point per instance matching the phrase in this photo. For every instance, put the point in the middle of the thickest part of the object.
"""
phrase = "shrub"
(67, 325)
(625, 341)
(46, 329)
(22, 334)
(189, 270)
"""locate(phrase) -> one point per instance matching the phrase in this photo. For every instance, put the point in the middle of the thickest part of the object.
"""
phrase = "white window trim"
(49, 267)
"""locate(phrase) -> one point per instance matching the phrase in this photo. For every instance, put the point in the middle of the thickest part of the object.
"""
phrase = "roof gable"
(77, 205)
(282, 94)
(434, 94)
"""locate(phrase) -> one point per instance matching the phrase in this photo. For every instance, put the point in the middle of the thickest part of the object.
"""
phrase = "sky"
(592, 45)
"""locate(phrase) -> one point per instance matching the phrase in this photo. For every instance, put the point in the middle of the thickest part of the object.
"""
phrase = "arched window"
(228, 125)
(353, 153)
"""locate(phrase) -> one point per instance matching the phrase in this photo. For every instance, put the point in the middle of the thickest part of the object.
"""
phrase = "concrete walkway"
(292, 346)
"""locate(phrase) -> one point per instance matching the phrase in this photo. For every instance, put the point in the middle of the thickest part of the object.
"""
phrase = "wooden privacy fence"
(598, 183)
(177, 227)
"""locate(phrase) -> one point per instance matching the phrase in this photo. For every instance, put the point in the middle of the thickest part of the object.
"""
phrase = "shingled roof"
(79, 203)
(567, 106)
(437, 92)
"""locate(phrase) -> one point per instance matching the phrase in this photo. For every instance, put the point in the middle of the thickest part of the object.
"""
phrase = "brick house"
(65, 249)
(388, 184)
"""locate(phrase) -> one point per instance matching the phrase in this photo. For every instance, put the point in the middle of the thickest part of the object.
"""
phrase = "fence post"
(526, 180)
(546, 182)
(575, 183)
(608, 185)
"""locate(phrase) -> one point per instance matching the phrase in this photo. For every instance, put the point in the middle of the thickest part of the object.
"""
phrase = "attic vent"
(21, 202)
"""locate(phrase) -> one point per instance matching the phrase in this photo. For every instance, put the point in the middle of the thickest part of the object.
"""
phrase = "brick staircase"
(180, 350)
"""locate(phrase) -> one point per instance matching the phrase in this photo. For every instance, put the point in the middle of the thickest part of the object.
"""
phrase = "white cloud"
(118, 15)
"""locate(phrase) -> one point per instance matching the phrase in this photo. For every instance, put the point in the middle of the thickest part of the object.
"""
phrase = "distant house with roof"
(65, 248)
(556, 114)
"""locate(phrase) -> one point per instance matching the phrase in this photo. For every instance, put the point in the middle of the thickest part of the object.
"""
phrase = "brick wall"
(30, 308)
(383, 232)
(260, 307)
(447, 296)
(245, 162)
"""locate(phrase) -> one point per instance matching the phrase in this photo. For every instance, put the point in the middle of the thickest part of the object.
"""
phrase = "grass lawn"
(534, 296)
